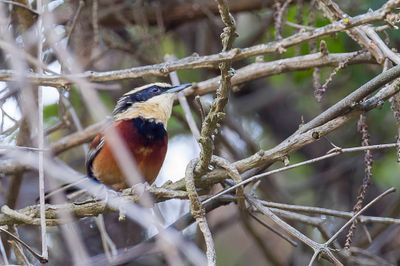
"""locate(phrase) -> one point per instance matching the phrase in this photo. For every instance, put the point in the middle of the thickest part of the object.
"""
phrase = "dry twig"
(198, 212)
(216, 114)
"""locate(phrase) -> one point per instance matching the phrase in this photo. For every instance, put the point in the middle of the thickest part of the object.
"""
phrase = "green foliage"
(50, 111)
(108, 101)
(169, 45)
(76, 100)
(50, 115)
(385, 169)
(178, 125)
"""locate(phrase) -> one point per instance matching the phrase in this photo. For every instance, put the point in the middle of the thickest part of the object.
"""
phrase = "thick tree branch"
(90, 208)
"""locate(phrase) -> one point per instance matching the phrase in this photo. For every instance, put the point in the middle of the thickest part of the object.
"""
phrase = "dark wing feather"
(122, 105)
(94, 148)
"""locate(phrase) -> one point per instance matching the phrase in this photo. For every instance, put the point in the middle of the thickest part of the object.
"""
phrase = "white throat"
(158, 108)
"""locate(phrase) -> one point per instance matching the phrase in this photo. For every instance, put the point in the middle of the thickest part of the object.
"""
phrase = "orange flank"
(146, 141)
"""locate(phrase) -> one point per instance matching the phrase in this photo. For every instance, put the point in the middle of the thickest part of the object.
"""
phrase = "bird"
(140, 118)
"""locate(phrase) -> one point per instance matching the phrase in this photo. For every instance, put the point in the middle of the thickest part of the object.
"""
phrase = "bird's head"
(152, 101)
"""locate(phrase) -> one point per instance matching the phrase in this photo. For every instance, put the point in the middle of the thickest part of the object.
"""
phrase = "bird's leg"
(136, 190)
(111, 197)
(105, 193)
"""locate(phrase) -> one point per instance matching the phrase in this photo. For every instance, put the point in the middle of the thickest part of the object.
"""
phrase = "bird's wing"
(95, 146)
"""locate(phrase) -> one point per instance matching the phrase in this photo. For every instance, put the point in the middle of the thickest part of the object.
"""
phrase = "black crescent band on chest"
(149, 131)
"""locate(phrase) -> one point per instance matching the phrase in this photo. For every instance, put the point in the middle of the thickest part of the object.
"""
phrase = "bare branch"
(216, 114)
(210, 61)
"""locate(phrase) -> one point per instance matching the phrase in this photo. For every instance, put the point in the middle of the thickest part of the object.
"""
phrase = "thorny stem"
(209, 125)
(317, 247)
(368, 160)
(390, 190)
(332, 153)
(216, 114)
(288, 228)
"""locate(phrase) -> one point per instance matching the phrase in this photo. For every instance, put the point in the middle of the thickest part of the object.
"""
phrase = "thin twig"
(216, 114)
(278, 16)
(183, 102)
(34, 253)
(197, 101)
(109, 247)
(330, 212)
(289, 229)
(347, 102)
(330, 154)
(198, 212)
(340, 66)
(332, 11)
(390, 190)
(290, 241)
(95, 22)
(74, 21)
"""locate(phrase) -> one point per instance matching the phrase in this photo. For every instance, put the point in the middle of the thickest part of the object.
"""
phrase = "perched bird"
(140, 118)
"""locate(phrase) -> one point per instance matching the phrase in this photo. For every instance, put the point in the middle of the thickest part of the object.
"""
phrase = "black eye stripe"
(147, 93)
(141, 96)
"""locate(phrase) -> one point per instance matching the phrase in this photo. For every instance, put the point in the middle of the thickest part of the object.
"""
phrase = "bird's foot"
(107, 194)
(139, 194)
(136, 190)
(114, 199)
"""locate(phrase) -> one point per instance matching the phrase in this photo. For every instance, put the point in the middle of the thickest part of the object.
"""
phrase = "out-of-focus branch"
(68, 142)
(149, 247)
(210, 61)
(174, 13)
(77, 138)
(23, 20)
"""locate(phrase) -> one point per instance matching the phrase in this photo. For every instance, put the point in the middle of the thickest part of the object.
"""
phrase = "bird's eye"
(155, 90)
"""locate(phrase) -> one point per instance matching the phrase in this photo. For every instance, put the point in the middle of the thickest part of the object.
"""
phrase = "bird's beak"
(179, 88)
